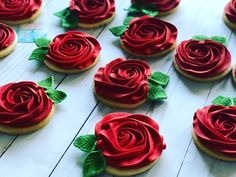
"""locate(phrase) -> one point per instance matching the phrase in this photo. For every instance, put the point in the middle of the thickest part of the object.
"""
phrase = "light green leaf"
(94, 164)
(219, 39)
(47, 83)
(86, 143)
(118, 30)
(39, 54)
(200, 37)
(42, 42)
(150, 12)
(63, 13)
(159, 78)
(156, 93)
(127, 20)
(56, 96)
(224, 101)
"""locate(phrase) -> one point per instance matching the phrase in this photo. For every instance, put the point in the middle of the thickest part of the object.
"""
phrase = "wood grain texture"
(49, 152)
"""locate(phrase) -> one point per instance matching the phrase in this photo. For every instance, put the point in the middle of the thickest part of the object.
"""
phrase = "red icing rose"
(230, 11)
(73, 50)
(215, 127)
(14, 10)
(7, 36)
(148, 35)
(23, 104)
(93, 11)
(129, 140)
(162, 5)
(124, 81)
(202, 58)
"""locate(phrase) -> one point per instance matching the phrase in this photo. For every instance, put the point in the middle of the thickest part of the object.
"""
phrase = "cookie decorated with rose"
(146, 36)
(203, 58)
(70, 52)
(230, 14)
(27, 106)
(152, 7)
(87, 13)
(124, 144)
(214, 129)
(8, 40)
(129, 83)
(20, 11)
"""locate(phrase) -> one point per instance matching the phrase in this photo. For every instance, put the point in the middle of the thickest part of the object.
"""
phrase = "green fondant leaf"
(63, 13)
(42, 42)
(150, 12)
(219, 39)
(118, 30)
(94, 164)
(159, 78)
(224, 101)
(156, 92)
(127, 20)
(200, 37)
(86, 143)
(47, 83)
(56, 96)
(39, 54)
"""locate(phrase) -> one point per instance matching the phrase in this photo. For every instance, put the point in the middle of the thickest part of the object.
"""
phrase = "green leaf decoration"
(56, 96)
(159, 78)
(156, 93)
(47, 83)
(118, 30)
(150, 12)
(219, 39)
(39, 54)
(127, 20)
(224, 101)
(94, 164)
(86, 143)
(42, 42)
(69, 19)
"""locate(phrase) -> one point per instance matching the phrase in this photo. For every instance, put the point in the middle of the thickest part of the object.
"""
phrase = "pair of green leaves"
(140, 8)
(224, 101)
(156, 83)
(119, 30)
(55, 95)
(69, 18)
(219, 39)
(94, 162)
(40, 53)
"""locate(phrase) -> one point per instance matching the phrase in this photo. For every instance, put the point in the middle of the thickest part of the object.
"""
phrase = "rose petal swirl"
(162, 5)
(124, 81)
(73, 50)
(93, 11)
(129, 140)
(23, 104)
(202, 58)
(14, 10)
(7, 36)
(147, 35)
(230, 11)
(215, 127)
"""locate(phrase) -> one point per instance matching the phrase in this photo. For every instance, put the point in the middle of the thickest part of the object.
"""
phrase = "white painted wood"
(49, 152)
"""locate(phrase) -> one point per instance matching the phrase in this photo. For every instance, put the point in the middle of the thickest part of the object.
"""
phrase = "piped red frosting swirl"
(230, 11)
(162, 5)
(148, 35)
(23, 104)
(123, 81)
(73, 50)
(129, 141)
(7, 36)
(15, 10)
(215, 127)
(202, 59)
(94, 11)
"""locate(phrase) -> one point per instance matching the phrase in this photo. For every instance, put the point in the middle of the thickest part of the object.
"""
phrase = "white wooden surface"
(49, 152)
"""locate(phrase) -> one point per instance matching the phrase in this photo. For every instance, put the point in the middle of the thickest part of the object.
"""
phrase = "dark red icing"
(93, 11)
(23, 104)
(7, 36)
(230, 11)
(15, 10)
(202, 59)
(215, 127)
(129, 141)
(162, 5)
(123, 81)
(73, 50)
(148, 35)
